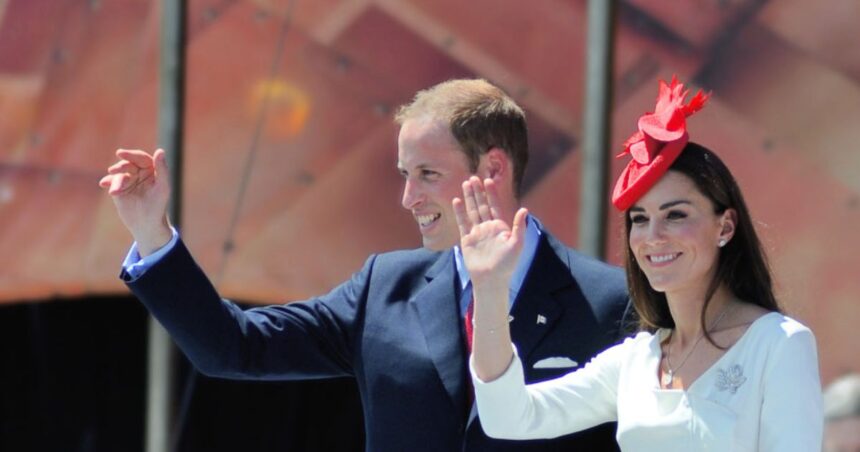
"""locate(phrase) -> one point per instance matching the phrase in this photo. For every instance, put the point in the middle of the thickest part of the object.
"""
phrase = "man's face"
(434, 167)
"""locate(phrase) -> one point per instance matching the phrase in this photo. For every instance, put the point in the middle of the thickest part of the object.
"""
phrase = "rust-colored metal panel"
(796, 98)
(77, 80)
(699, 22)
(827, 32)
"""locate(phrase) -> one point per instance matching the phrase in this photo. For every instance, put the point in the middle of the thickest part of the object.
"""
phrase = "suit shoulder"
(410, 260)
(588, 263)
(408, 255)
(588, 271)
(591, 268)
(579, 262)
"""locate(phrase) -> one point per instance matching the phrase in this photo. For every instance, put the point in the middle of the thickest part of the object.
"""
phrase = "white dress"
(763, 394)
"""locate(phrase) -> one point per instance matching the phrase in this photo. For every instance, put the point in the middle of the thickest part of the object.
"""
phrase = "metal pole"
(161, 365)
(596, 129)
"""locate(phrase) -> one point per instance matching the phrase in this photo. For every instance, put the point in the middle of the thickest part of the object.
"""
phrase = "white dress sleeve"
(587, 397)
(792, 413)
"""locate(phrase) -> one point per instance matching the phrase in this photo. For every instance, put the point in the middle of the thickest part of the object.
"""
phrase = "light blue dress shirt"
(136, 267)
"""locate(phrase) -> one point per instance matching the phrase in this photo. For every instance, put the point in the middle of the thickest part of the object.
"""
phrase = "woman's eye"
(676, 215)
(638, 219)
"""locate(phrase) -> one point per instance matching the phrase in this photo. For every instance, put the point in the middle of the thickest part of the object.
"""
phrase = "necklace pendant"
(667, 379)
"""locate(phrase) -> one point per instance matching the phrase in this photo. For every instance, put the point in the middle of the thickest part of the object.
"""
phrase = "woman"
(716, 367)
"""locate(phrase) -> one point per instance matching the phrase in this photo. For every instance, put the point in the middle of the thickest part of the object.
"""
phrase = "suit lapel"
(537, 306)
(437, 310)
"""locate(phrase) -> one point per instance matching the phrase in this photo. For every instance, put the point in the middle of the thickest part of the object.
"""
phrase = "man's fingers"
(134, 168)
(493, 199)
(463, 223)
(124, 182)
(106, 181)
(519, 227)
(123, 166)
(481, 199)
(118, 182)
(160, 158)
(471, 206)
(135, 156)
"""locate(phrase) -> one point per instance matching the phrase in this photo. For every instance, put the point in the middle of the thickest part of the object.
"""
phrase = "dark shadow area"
(74, 379)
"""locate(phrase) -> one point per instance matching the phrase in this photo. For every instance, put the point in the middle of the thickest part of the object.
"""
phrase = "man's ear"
(496, 164)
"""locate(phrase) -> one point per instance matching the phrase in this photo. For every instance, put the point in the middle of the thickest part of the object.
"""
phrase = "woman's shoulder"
(779, 325)
(641, 337)
(775, 332)
(643, 340)
(632, 349)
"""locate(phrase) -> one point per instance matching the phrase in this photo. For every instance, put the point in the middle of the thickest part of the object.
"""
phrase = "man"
(397, 325)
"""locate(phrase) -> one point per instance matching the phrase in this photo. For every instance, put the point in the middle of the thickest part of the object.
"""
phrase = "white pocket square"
(556, 362)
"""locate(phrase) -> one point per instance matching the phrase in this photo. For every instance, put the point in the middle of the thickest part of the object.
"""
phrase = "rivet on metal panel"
(305, 178)
(59, 55)
(210, 14)
(261, 15)
(343, 63)
(6, 194)
(381, 109)
(55, 177)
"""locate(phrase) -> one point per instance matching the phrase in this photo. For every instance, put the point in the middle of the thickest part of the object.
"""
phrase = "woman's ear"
(728, 224)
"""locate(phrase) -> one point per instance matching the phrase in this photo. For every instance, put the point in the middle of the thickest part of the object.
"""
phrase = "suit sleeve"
(792, 416)
(510, 409)
(309, 339)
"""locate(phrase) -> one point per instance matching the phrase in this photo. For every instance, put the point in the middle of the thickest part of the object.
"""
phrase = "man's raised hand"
(490, 246)
(139, 186)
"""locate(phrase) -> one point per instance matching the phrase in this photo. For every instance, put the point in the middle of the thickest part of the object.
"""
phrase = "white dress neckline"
(657, 352)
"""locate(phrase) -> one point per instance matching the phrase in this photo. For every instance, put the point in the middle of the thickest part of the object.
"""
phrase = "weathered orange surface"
(78, 79)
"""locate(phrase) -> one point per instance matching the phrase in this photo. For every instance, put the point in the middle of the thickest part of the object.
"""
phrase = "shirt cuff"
(136, 266)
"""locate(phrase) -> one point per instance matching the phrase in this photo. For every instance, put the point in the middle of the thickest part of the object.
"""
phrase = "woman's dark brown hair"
(742, 265)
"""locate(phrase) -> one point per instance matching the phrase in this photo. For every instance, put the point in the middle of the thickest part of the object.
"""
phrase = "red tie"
(470, 311)
(470, 391)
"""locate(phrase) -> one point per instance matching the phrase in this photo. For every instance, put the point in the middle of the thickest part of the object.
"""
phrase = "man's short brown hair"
(480, 116)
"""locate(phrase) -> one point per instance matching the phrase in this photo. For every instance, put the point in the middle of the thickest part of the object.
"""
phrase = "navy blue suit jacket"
(395, 327)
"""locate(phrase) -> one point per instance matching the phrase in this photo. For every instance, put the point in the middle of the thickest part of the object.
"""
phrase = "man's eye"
(427, 174)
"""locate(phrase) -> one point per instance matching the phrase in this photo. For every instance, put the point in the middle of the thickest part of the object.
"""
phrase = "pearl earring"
(722, 243)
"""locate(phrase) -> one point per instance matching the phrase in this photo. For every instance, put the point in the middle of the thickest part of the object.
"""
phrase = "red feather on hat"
(665, 127)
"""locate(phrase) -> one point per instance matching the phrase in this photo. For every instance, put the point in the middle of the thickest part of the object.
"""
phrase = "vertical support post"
(171, 76)
(596, 129)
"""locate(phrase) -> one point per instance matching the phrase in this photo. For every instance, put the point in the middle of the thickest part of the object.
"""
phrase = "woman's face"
(675, 233)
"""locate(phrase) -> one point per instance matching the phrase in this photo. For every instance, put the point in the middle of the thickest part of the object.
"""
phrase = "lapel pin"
(541, 320)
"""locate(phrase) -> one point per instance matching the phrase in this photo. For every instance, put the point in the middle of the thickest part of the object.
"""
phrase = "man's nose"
(411, 195)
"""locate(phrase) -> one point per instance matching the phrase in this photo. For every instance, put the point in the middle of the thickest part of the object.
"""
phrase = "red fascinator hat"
(661, 137)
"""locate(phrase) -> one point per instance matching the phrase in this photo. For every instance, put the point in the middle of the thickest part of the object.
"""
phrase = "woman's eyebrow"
(674, 203)
(663, 206)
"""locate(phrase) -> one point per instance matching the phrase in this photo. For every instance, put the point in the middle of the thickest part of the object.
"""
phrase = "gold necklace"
(669, 373)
